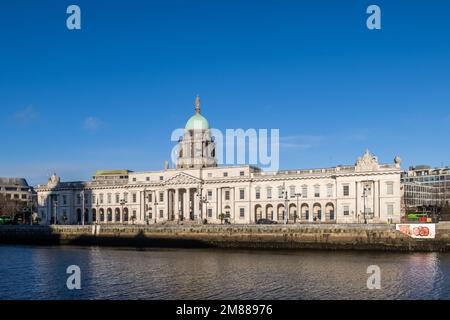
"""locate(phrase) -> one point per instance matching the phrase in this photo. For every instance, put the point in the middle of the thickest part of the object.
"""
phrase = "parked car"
(265, 221)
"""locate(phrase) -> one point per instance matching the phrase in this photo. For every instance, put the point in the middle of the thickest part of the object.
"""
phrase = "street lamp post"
(122, 203)
(55, 204)
(97, 214)
(31, 208)
(286, 203)
(203, 200)
(145, 208)
(365, 197)
(156, 206)
(82, 206)
(297, 195)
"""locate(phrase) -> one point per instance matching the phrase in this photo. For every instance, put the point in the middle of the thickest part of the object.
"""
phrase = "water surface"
(33, 272)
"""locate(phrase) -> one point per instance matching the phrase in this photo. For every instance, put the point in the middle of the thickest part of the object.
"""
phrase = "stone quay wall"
(330, 236)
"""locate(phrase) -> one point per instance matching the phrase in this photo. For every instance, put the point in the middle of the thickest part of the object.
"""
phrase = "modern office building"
(426, 186)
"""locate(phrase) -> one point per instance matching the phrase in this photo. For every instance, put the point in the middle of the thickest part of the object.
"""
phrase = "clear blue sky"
(109, 95)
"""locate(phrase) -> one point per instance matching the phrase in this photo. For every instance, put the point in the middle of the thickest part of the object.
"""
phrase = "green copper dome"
(197, 121)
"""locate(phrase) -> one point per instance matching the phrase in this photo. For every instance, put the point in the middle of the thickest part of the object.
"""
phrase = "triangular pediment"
(182, 178)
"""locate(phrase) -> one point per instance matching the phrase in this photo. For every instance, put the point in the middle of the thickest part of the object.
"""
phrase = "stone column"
(196, 205)
(186, 204)
(357, 198)
(166, 199)
(176, 204)
(233, 205)
(218, 202)
(376, 196)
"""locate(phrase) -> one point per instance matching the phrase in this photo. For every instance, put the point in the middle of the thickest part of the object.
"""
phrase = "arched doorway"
(125, 215)
(79, 216)
(280, 211)
(304, 212)
(258, 212)
(117, 215)
(86, 216)
(109, 214)
(269, 212)
(329, 209)
(317, 212)
(94, 215)
(293, 216)
(102, 215)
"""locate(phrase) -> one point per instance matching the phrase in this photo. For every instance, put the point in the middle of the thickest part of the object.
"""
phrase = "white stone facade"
(199, 190)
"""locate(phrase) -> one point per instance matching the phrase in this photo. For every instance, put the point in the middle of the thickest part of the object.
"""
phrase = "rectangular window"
(161, 214)
(209, 174)
(134, 197)
(109, 198)
(227, 195)
(346, 190)
(117, 198)
(209, 194)
(134, 179)
(150, 197)
(390, 188)
(390, 209)
(280, 192)
(225, 174)
(125, 197)
(64, 200)
(78, 198)
(94, 199)
(329, 191)
(161, 197)
(317, 191)
(161, 178)
(241, 194)
(242, 212)
(101, 198)
(346, 210)
(209, 213)
(269, 193)
(147, 178)
(305, 191)
(258, 194)
(292, 191)
(24, 196)
(242, 173)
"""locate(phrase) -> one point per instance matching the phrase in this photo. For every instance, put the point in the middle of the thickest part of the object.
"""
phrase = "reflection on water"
(112, 273)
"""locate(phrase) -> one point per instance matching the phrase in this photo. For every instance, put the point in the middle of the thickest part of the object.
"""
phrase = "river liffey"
(32, 272)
